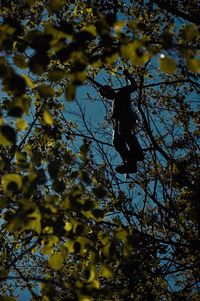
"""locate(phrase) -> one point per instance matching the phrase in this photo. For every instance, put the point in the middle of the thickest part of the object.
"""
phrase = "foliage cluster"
(69, 223)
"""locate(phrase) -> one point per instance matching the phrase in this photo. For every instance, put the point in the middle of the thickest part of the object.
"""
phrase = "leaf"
(167, 65)
(11, 183)
(49, 244)
(56, 75)
(20, 61)
(7, 135)
(106, 272)
(56, 4)
(90, 273)
(47, 117)
(19, 106)
(135, 52)
(91, 29)
(21, 124)
(45, 91)
(33, 221)
(70, 92)
(84, 298)
(7, 298)
(193, 65)
(56, 261)
(189, 32)
(29, 82)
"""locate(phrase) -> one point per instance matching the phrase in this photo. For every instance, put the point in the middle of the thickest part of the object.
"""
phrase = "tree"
(69, 223)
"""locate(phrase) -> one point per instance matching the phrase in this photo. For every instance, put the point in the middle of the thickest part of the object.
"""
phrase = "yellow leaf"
(91, 29)
(135, 52)
(121, 234)
(56, 261)
(21, 124)
(56, 75)
(90, 273)
(84, 298)
(106, 272)
(11, 182)
(49, 244)
(29, 82)
(193, 65)
(119, 25)
(45, 91)
(47, 117)
(33, 221)
(106, 250)
(68, 226)
(167, 65)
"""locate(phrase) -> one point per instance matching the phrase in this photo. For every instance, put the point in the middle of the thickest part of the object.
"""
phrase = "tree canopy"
(71, 227)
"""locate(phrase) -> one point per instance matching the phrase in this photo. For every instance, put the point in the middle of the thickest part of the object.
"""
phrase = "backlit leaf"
(167, 65)
(56, 261)
(106, 272)
(21, 124)
(47, 117)
(11, 182)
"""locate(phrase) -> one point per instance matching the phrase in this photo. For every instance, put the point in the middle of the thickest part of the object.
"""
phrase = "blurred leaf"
(19, 105)
(49, 244)
(70, 92)
(45, 91)
(106, 272)
(56, 261)
(20, 61)
(7, 135)
(47, 117)
(56, 75)
(11, 183)
(167, 65)
(193, 65)
(29, 82)
(7, 298)
(135, 52)
(90, 273)
(189, 32)
(33, 221)
(91, 29)
(21, 124)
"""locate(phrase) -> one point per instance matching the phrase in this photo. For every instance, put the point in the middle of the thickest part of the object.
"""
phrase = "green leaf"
(167, 65)
(56, 261)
